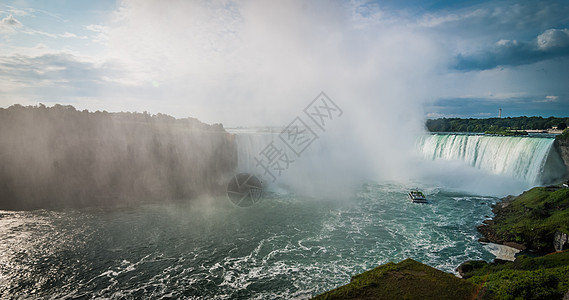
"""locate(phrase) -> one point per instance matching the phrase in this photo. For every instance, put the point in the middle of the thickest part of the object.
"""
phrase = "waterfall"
(525, 158)
(319, 170)
(530, 159)
(250, 144)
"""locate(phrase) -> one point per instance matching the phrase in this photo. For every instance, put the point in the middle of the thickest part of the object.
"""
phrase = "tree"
(561, 126)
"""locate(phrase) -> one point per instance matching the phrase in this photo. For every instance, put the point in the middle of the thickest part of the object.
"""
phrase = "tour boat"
(417, 197)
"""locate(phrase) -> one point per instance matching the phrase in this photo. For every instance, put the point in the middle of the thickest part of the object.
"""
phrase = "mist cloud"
(260, 63)
(265, 60)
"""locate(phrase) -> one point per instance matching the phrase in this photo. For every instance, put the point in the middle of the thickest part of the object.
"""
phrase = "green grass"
(523, 262)
(533, 218)
(545, 277)
(408, 279)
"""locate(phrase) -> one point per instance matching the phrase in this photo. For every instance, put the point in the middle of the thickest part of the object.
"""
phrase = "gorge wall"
(60, 157)
(562, 147)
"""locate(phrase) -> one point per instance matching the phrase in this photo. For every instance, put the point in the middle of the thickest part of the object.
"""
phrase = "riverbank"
(536, 221)
(532, 221)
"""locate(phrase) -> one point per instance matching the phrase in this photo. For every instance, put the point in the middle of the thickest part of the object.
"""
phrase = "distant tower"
(500, 113)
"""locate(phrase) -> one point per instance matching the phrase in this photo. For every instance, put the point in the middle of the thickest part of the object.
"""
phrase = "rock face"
(560, 241)
(60, 157)
(562, 147)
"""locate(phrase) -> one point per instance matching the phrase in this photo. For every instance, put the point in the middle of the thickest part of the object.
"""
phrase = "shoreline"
(511, 274)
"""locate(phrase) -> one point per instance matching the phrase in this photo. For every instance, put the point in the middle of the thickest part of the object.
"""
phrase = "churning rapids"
(286, 246)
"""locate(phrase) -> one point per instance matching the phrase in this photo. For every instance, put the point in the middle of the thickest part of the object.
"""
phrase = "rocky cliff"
(562, 147)
(60, 157)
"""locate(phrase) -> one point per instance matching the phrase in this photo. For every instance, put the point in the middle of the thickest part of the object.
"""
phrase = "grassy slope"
(545, 277)
(405, 280)
(532, 218)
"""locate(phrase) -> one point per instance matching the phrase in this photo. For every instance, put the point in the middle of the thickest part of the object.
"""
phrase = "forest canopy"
(495, 124)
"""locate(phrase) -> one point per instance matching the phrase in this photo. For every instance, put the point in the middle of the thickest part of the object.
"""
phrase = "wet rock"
(560, 241)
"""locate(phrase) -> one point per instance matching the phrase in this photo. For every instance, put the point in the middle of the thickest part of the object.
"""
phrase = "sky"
(252, 63)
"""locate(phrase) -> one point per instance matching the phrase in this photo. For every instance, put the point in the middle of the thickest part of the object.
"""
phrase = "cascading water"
(249, 144)
(319, 170)
(529, 159)
(516, 157)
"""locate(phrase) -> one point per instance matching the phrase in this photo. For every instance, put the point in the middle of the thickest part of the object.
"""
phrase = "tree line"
(495, 124)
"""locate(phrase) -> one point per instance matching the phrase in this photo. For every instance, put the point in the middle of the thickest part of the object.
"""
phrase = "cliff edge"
(54, 157)
(561, 144)
(536, 220)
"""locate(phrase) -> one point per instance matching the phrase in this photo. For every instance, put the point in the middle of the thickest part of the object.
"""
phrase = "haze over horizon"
(254, 63)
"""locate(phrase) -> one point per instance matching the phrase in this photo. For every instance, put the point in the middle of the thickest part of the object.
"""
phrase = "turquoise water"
(287, 246)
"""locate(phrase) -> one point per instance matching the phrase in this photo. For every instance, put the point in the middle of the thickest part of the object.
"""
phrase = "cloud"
(553, 39)
(102, 33)
(549, 99)
(20, 12)
(11, 21)
(9, 24)
(59, 74)
(71, 35)
(450, 19)
(552, 43)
